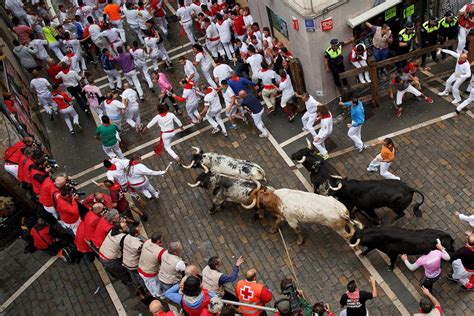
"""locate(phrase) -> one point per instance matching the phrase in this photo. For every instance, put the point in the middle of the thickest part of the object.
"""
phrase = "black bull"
(397, 241)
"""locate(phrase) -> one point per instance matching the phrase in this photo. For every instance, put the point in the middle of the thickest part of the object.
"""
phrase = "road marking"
(298, 136)
(110, 289)
(30, 281)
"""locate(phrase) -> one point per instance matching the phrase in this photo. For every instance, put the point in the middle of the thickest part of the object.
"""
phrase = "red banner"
(326, 24)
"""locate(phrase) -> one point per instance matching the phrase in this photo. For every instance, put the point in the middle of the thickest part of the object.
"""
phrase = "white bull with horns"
(226, 165)
(298, 207)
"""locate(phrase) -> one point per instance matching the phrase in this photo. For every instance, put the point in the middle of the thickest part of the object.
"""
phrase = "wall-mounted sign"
(326, 24)
(408, 11)
(310, 25)
(296, 24)
(390, 13)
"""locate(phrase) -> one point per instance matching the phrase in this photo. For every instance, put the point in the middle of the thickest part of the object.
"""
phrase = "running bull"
(397, 241)
(224, 188)
(222, 164)
(367, 195)
(298, 207)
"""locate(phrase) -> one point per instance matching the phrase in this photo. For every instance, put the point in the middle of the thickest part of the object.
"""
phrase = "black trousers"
(336, 69)
(402, 51)
(427, 43)
(446, 37)
(428, 283)
(80, 96)
(115, 268)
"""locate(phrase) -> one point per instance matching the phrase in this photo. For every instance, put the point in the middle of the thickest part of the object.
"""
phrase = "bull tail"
(416, 207)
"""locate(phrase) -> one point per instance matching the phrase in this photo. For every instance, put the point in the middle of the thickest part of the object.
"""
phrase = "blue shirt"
(105, 62)
(241, 84)
(357, 113)
(252, 103)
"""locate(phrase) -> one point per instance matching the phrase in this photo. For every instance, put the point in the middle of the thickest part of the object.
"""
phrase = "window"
(277, 23)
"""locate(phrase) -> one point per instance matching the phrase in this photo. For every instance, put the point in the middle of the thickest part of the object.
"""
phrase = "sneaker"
(225, 134)
(291, 118)
(271, 110)
(263, 135)
(369, 81)
(87, 111)
(455, 101)
(142, 98)
(79, 127)
(398, 113)
(443, 93)
(450, 278)
(429, 100)
(72, 132)
(215, 131)
(363, 81)
(362, 149)
(458, 112)
(463, 288)
(371, 170)
(233, 126)
(325, 157)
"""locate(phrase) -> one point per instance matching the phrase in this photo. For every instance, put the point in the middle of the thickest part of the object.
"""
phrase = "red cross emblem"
(246, 292)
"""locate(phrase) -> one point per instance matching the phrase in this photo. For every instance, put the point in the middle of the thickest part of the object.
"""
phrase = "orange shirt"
(387, 154)
(113, 11)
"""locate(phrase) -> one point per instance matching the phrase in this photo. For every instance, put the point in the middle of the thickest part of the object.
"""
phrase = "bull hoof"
(273, 230)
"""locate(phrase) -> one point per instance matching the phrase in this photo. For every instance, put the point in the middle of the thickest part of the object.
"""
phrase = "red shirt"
(23, 33)
(91, 200)
(239, 25)
(118, 197)
(90, 222)
(24, 174)
(68, 210)
(13, 153)
(80, 242)
(42, 238)
(62, 99)
(10, 105)
(46, 192)
(53, 71)
(101, 231)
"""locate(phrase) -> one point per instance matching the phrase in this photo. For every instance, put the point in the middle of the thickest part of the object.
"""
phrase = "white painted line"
(32, 279)
(110, 289)
(298, 136)
(168, 5)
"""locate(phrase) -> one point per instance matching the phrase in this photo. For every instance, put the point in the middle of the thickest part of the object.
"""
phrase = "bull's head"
(255, 193)
(196, 159)
(306, 155)
(356, 238)
(335, 183)
(203, 180)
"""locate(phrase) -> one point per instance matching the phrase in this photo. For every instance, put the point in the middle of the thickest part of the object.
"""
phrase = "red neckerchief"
(461, 62)
(115, 186)
(108, 101)
(71, 54)
(163, 114)
(471, 248)
(106, 124)
(208, 13)
(140, 9)
(112, 167)
(134, 163)
(220, 22)
(263, 70)
(235, 77)
(283, 79)
(209, 90)
(65, 71)
(326, 116)
(188, 86)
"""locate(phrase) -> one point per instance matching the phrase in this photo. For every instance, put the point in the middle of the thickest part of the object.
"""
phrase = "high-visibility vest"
(334, 54)
(405, 36)
(430, 28)
(445, 24)
(249, 292)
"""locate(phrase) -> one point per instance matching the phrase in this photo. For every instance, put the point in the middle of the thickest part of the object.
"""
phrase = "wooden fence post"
(374, 84)
(471, 48)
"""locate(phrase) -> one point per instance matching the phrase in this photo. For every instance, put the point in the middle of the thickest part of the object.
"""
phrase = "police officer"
(448, 28)
(334, 60)
(405, 38)
(429, 37)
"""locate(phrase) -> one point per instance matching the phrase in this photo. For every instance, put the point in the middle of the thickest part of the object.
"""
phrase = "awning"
(367, 15)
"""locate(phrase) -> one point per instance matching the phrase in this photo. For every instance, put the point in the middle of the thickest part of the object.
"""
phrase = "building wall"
(309, 47)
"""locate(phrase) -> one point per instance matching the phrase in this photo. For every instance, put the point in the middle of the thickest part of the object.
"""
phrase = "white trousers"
(308, 122)
(144, 69)
(207, 74)
(459, 272)
(72, 226)
(70, 116)
(132, 116)
(360, 64)
(409, 89)
(132, 79)
(46, 100)
(167, 138)
(113, 151)
(51, 210)
(462, 35)
(215, 48)
(55, 47)
(188, 29)
(215, 120)
(320, 146)
(146, 189)
(285, 99)
(163, 24)
(378, 162)
(269, 98)
(467, 101)
(111, 75)
(229, 49)
(453, 83)
(12, 169)
(119, 24)
(193, 113)
(139, 32)
(354, 133)
(152, 284)
(257, 119)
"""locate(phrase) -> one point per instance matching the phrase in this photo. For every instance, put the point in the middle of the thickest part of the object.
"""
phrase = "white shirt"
(62, 16)
(131, 16)
(118, 175)
(267, 76)
(152, 44)
(137, 173)
(132, 97)
(113, 109)
(196, 8)
(228, 96)
(311, 105)
(467, 218)
(269, 40)
(248, 20)
(94, 32)
(224, 31)
(286, 88)
(139, 56)
(255, 62)
(73, 62)
(15, 7)
(84, 12)
(73, 44)
(204, 61)
(191, 96)
(185, 14)
(71, 79)
(113, 34)
(37, 46)
(461, 70)
(326, 127)
(212, 33)
(212, 101)
(41, 86)
(142, 17)
(221, 72)
(166, 123)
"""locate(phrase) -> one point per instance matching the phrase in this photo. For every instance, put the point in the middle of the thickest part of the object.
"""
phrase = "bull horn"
(188, 166)
(251, 205)
(302, 160)
(309, 144)
(196, 150)
(339, 186)
(335, 176)
(206, 169)
(259, 185)
(356, 243)
(195, 184)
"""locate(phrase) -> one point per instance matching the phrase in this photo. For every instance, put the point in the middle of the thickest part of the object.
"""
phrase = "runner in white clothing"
(165, 121)
(155, 48)
(190, 70)
(37, 47)
(137, 177)
(224, 28)
(130, 101)
(255, 61)
(269, 80)
(131, 15)
(75, 46)
(213, 40)
(309, 117)
(191, 97)
(42, 88)
(287, 95)
(232, 105)
(139, 58)
(114, 109)
(185, 16)
(222, 71)
(325, 118)
(461, 72)
(205, 62)
(212, 110)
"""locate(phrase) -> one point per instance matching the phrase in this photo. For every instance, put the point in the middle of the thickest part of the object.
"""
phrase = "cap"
(334, 41)
(282, 304)
(409, 26)
(449, 14)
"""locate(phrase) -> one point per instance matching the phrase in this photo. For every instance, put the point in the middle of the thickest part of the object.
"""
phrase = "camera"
(71, 184)
(288, 288)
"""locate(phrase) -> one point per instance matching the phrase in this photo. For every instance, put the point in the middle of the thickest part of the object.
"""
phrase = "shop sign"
(310, 25)
(326, 24)
(408, 11)
(390, 13)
